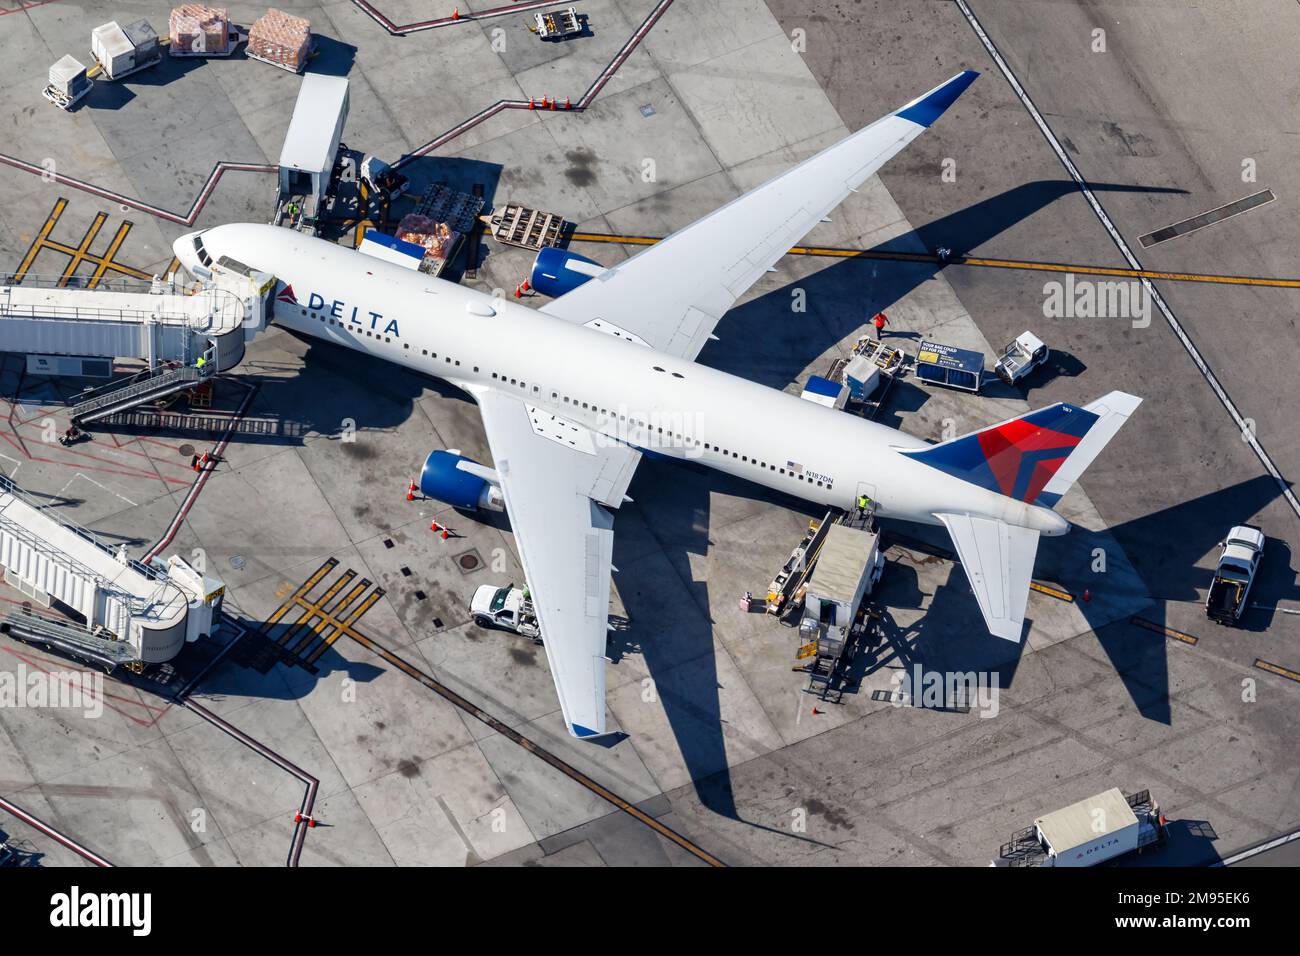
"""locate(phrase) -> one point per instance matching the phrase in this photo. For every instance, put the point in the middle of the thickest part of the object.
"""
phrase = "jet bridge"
(115, 610)
(185, 335)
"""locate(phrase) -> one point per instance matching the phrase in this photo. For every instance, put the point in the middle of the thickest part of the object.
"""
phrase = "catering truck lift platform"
(835, 617)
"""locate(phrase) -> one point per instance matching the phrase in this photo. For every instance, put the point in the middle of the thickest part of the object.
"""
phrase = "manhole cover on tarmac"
(186, 451)
(469, 561)
(237, 562)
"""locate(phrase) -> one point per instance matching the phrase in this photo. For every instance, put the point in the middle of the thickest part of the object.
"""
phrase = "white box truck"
(1092, 831)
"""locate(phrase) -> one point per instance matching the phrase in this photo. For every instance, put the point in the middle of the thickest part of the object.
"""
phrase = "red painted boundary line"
(189, 218)
(202, 479)
(49, 831)
(583, 102)
(398, 30)
(24, 6)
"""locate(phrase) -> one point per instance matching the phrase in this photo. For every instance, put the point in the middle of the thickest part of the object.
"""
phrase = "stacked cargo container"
(200, 30)
(281, 39)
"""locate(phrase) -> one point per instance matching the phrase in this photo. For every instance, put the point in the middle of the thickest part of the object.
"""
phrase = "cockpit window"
(203, 254)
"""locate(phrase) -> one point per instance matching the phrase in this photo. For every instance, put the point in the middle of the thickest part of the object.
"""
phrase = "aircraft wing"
(671, 295)
(557, 477)
(999, 562)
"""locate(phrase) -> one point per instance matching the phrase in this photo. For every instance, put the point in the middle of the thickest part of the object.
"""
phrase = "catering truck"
(1238, 562)
(1092, 831)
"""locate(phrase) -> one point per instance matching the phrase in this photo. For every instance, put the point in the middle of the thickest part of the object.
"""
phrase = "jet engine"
(557, 271)
(450, 477)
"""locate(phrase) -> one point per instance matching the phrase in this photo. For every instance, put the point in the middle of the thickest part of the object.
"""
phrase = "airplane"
(574, 393)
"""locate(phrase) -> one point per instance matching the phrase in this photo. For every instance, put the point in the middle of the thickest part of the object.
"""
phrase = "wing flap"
(998, 559)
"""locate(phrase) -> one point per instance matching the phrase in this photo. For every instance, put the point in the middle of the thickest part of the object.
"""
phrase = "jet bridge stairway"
(140, 390)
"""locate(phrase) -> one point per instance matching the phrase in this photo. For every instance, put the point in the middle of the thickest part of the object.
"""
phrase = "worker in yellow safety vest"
(201, 362)
(863, 504)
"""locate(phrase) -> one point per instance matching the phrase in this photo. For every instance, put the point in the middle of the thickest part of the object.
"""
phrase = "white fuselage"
(616, 388)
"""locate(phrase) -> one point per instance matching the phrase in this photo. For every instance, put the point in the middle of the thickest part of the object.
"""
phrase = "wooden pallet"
(526, 228)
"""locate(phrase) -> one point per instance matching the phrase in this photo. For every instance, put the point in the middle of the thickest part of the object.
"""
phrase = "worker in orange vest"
(880, 321)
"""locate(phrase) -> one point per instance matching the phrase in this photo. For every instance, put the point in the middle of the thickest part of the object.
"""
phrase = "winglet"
(925, 109)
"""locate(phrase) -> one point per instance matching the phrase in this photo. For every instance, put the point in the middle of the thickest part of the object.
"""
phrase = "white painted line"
(1247, 433)
(97, 484)
(1263, 847)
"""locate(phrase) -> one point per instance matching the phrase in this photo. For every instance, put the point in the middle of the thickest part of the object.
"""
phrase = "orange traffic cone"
(455, 14)
(410, 491)
(816, 712)
(525, 286)
(567, 104)
(545, 104)
(434, 525)
(554, 103)
(445, 535)
(532, 103)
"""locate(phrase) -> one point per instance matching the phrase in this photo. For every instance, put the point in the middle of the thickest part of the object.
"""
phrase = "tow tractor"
(1021, 357)
(1238, 562)
(509, 608)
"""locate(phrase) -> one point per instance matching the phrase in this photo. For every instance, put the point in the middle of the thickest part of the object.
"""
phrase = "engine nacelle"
(557, 271)
(460, 482)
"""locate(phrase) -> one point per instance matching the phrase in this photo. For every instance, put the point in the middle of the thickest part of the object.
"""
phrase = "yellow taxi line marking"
(1020, 264)
(1052, 592)
(1162, 629)
(1277, 669)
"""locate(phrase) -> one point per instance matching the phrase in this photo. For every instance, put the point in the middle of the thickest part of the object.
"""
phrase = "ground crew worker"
(880, 321)
(201, 362)
(863, 503)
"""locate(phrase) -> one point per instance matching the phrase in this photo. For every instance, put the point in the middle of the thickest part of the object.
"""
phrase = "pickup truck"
(508, 608)
(1238, 562)
(1021, 357)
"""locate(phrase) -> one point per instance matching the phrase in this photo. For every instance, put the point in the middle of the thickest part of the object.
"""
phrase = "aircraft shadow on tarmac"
(764, 341)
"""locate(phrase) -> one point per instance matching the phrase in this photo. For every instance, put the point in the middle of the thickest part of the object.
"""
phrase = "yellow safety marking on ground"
(108, 264)
(79, 256)
(1051, 591)
(315, 579)
(312, 609)
(38, 243)
(1277, 669)
(1162, 629)
(1015, 264)
(108, 257)
(329, 616)
(355, 616)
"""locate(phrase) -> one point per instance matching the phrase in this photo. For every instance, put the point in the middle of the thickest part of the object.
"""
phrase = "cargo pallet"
(235, 37)
(311, 52)
(62, 100)
(526, 228)
(458, 211)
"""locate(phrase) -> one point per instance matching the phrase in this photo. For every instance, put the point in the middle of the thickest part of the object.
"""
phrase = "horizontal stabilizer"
(999, 563)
